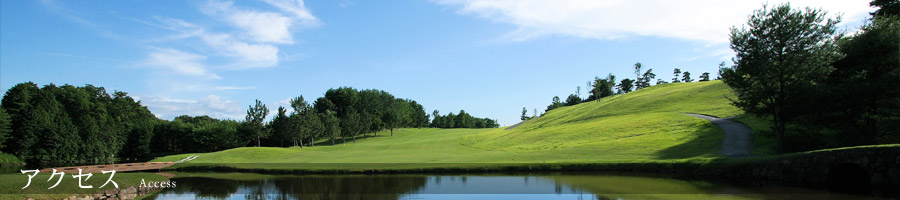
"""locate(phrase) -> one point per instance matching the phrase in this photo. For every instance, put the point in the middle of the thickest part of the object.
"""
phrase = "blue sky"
(487, 57)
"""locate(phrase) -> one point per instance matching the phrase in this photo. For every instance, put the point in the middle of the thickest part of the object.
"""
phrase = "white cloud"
(212, 105)
(249, 55)
(232, 88)
(185, 29)
(179, 62)
(262, 26)
(284, 103)
(254, 46)
(707, 21)
(297, 8)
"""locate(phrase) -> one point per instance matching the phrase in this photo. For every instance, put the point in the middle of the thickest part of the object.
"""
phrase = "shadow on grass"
(707, 142)
(349, 140)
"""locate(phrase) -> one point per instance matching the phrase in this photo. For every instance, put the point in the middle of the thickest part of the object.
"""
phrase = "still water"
(517, 186)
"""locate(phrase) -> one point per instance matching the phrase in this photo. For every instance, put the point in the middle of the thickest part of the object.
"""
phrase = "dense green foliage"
(86, 125)
(865, 98)
(781, 59)
(253, 125)
(819, 89)
(198, 134)
(625, 86)
(602, 87)
(462, 120)
(886, 8)
(75, 124)
(6, 158)
(5, 128)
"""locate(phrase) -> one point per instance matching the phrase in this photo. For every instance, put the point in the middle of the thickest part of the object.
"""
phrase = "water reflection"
(558, 186)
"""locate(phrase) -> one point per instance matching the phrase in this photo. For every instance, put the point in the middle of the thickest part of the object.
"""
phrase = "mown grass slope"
(645, 124)
(641, 126)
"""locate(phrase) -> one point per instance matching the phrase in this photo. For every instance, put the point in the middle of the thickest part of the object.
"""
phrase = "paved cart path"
(737, 141)
(123, 167)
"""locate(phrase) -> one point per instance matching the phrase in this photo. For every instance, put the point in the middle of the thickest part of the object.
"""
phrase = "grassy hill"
(647, 123)
(642, 126)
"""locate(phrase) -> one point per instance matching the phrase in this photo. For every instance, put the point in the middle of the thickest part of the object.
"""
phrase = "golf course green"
(642, 126)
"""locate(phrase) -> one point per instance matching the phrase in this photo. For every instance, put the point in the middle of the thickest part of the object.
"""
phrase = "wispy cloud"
(255, 42)
(77, 17)
(232, 88)
(184, 59)
(296, 8)
(247, 55)
(258, 26)
(179, 62)
(696, 20)
(212, 105)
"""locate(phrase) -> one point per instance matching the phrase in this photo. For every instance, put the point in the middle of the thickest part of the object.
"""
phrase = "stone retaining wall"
(881, 165)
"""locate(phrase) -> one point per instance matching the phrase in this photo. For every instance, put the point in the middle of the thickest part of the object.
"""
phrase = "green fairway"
(642, 126)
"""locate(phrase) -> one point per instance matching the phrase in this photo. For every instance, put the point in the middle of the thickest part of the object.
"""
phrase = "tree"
(417, 114)
(19, 101)
(524, 114)
(645, 79)
(281, 127)
(393, 116)
(677, 74)
(436, 119)
(332, 125)
(626, 85)
(350, 125)
(254, 121)
(638, 80)
(298, 127)
(313, 125)
(704, 77)
(578, 92)
(298, 104)
(721, 70)
(866, 82)
(886, 8)
(4, 127)
(602, 87)
(660, 81)
(780, 60)
(214, 135)
(556, 103)
(687, 77)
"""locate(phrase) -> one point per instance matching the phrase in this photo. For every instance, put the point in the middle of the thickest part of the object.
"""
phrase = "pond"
(480, 186)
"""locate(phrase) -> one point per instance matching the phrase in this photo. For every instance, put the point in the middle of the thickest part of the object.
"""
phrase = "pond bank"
(565, 185)
(123, 193)
(870, 166)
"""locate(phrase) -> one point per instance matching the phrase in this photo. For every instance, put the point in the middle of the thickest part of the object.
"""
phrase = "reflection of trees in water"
(349, 187)
(207, 187)
(303, 187)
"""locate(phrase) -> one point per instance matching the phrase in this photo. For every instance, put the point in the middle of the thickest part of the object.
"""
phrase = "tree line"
(608, 86)
(68, 124)
(820, 88)
(461, 120)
